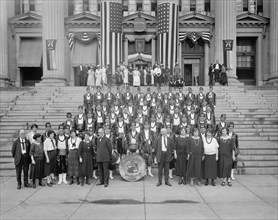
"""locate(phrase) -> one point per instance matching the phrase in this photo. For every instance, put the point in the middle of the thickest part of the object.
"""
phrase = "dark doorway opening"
(30, 75)
(188, 74)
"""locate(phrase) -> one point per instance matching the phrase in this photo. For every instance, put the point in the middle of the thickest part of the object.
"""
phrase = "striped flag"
(71, 38)
(168, 34)
(111, 33)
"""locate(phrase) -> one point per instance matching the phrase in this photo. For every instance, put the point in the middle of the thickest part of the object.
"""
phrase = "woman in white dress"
(98, 76)
(91, 78)
(152, 76)
(125, 75)
(103, 73)
(136, 77)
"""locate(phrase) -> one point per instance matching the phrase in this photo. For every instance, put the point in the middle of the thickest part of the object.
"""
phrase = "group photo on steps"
(174, 132)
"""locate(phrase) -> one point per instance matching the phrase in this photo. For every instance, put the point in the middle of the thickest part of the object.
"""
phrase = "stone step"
(256, 170)
(261, 163)
(254, 157)
(258, 151)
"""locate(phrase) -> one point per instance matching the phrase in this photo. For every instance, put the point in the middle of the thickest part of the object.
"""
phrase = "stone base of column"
(5, 82)
(273, 80)
(232, 80)
(48, 82)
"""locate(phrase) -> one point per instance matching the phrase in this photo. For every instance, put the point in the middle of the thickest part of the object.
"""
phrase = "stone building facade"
(43, 42)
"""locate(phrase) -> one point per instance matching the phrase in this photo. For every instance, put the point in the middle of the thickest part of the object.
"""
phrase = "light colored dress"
(104, 78)
(152, 76)
(125, 75)
(136, 78)
(98, 77)
(91, 78)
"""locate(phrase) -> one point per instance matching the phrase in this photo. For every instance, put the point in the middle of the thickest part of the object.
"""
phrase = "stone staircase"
(252, 109)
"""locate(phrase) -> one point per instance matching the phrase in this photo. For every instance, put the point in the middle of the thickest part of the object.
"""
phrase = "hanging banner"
(50, 54)
(228, 44)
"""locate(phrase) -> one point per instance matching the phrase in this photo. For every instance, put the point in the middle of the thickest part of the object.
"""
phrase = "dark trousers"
(103, 172)
(163, 164)
(216, 75)
(23, 165)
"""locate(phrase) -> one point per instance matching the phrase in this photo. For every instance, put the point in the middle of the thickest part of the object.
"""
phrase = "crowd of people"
(132, 75)
(176, 131)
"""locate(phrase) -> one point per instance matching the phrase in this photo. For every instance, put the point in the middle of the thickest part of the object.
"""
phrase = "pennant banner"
(50, 54)
(194, 36)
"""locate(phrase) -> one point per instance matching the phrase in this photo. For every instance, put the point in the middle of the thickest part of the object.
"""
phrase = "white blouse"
(71, 143)
(210, 148)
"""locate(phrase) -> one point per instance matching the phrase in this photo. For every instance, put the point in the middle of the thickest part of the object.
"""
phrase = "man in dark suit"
(217, 69)
(104, 154)
(163, 147)
(22, 160)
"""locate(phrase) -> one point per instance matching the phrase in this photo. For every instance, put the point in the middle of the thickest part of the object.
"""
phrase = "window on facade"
(192, 5)
(70, 7)
(125, 5)
(139, 6)
(85, 5)
(32, 5)
(260, 7)
(245, 5)
(153, 6)
(207, 5)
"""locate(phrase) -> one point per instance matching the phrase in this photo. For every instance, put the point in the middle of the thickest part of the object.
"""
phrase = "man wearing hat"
(200, 97)
(62, 152)
(103, 157)
(88, 100)
(21, 154)
(133, 136)
(79, 120)
(69, 121)
(163, 148)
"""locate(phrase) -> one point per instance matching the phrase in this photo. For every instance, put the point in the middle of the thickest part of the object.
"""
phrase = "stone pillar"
(38, 7)
(126, 51)
(26, 6)
(53, 15)
(147, 6)
(4, 75)
(273, 78)
(132, 6)
(78, 7)
(225, 29)
(153, 51)
(206, 66)
(93, 7)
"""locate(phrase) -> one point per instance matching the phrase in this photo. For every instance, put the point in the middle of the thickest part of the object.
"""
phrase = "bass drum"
(132, 167)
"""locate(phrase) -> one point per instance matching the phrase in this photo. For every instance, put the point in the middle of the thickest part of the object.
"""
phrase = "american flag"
(168, 34)
(111, 34)
(71, 38)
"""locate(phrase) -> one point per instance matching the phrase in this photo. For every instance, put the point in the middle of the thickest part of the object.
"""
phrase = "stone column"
(126, 51)
(38, 7)
(53, 15)
(147, 6)
(4, 75)
(185, 6)
(273, 78)
(153, 51)
(206, 66)
(200, 6)
(93, 7)
(132, 7)
(78, 7)
(225, 29)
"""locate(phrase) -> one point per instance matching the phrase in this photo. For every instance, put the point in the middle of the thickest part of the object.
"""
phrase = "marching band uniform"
(109, 97)
(133, 137)
(69, 121)
(104, 108)
(190, 97)
(113, 117)
(200, 97)
(99, 117)
(192, 118)
(118, 96)
(221, 125)
(90, 122)
(159, 118)
(148, 97)
(79, 120)
(210, 118)
(127, 97)
(211, 99)
(98, 97)
(62, 152)
(127, 119)
(176, 121)
(147, 139)
(146, 110)
(131, 110)
(88, 100)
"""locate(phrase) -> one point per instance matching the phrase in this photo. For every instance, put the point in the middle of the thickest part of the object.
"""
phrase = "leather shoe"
(48, 184)
(158, 184)
(207, 182)
(180, 181)
(106, 185)
(184, 181)
(213, 183)
(98, 184)
(27, 185)
(168, 183)
(18, 187)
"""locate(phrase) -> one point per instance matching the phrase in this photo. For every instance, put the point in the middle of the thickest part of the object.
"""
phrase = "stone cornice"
(84, 19)
(28, 19)
(251, 20)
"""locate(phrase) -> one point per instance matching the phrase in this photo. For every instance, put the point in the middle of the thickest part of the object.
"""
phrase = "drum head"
(132, 167)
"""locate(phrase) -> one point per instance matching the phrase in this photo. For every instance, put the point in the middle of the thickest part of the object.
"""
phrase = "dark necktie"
(23, 144)
(53, 144)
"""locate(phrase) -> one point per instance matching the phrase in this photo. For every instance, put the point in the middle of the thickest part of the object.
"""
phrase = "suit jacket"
(100, 100)
(17, 153)
(89, 101)
(77, 126)
(158, 149)
(192, 99)
(103, 149)
(211, 99)
(128, 97)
